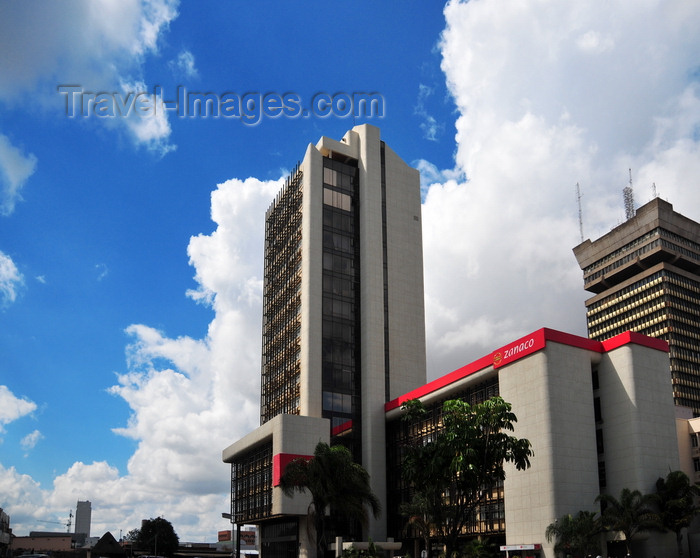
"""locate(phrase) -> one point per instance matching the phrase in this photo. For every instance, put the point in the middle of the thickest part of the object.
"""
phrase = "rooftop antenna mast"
(628, 196)
(653, 190)
(580, 213)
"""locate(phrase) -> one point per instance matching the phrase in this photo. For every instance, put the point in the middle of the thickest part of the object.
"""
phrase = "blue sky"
(131, 249)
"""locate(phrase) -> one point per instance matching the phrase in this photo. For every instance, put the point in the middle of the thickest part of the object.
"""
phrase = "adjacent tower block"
(645, 275)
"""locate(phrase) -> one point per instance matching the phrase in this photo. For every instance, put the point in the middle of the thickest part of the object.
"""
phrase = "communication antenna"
(70, 521)
(580, 213)
(628, 196)
(653, 190)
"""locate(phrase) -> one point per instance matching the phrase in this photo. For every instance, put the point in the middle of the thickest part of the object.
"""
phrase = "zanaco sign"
(520, 348)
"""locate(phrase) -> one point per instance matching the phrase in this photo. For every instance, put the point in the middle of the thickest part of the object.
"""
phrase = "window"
(694, 440)
(696, 464)
(599, 441)
(597, 409)
(337, 402)
(338, 308)
(602, 481)
(339, 242)
(339, 264)
(337, 199)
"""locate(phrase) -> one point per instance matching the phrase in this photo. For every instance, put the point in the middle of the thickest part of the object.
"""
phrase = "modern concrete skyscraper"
(83, 517)
(343, 312)
(645, 274)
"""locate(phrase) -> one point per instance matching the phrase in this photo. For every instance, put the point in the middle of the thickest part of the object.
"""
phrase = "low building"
(600, 417)
(5, 532)
(38, 541)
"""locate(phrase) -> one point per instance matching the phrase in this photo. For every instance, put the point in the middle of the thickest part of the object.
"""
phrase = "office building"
(343, 319)
(600, 418)
(645, 276)
(344, 345)
(83, 517)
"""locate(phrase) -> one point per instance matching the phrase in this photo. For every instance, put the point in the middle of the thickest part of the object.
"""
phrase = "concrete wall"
(639, 429)
(290, 434)
(552, 397)
(311, 401)
(405, 269)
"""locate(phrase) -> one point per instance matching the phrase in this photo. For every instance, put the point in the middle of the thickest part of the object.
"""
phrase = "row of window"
(251, 481)
(668, 240)
(337, 402)
(641, 325)
(338, 308)
(635, 255)
(338, 241)
(338, 352)
(341, 378)
(617, 253)
(337, 199)
(339, 179)
(641, 286)
(338, 263)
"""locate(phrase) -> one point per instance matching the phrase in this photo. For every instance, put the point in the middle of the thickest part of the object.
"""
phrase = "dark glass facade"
(341, 301)
(280, 538)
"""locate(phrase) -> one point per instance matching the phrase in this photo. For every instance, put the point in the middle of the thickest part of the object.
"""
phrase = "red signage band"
(523, 347)
(520, 348)
(280, 462)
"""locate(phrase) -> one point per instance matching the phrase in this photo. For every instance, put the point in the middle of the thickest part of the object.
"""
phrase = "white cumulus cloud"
(11, 280)
(15, 169)
(94, 45)
(548, 95)
(13, 407)
(31, 440)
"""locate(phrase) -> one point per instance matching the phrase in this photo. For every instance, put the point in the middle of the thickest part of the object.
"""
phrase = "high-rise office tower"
(645, 274)
(83, 517)
(343, 312)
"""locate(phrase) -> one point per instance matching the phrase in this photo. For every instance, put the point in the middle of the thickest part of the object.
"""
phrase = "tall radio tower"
(580, 213)
(628, 196)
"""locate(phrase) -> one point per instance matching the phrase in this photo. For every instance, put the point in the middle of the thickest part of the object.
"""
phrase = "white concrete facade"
(386, 372)
(548, 377)
(290, 435)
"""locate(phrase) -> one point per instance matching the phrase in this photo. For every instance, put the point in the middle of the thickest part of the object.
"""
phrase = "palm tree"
(336, 484)
(675, 499)
(629, 515)
(577, 535)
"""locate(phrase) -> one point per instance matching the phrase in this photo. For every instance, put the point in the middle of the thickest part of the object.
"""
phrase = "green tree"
(418, 517)
(336, 484)
(158, 537)
(479, 548)
(578, 535)
(132, 536)
(630, 514)
(675, 501)
(457, 467)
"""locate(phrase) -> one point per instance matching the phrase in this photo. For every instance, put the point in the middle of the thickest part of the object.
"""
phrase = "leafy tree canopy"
(158, 537)
(462, 460)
